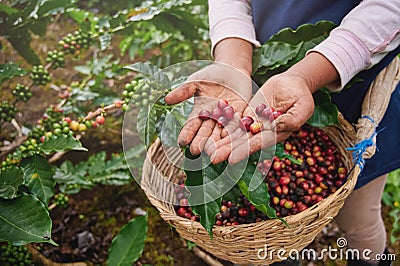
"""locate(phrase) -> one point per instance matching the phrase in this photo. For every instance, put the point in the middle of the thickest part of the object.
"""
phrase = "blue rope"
(360, 148)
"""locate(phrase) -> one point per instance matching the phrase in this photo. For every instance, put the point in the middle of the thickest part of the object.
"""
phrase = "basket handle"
(374, 106)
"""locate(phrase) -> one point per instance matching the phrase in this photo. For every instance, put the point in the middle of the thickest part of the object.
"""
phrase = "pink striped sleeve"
(230, 18)
(368, 33)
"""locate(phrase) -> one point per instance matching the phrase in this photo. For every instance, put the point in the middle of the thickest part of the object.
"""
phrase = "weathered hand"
(285, 92)
(209, 85)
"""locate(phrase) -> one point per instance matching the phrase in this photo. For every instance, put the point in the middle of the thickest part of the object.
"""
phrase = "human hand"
(215, 82)
(288, 93)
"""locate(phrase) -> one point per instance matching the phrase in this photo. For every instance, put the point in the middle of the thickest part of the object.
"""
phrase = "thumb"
(181, 93)
(295, 116)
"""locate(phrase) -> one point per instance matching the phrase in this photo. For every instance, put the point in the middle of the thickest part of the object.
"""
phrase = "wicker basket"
(241, 244)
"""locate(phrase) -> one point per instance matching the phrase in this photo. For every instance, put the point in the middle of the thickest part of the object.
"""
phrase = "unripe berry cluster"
(56, 58)
(7, 111)
(52, 115)
(39, 75)
(73, 43)
(9, 162)
(28, 148)
(22, 93)
(14, 255)
(61, 200)
(141, 91)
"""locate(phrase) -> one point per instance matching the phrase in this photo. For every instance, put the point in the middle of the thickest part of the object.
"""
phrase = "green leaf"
(7, 9)
(152, 72)
(24, 220)
(170, 130)
(144, 68)
(205, 187)
(97, 163)
(39, 177)
(126, 43)
(308, 34)
(253, 187)
(84, 18)
(10, 180)
(325, 112)
(62, 143)
(286, 48)
(67, 173)
(39, 27)
(127, 247)
(52, 7)
(20, 40)
(146, 124)
(112, 178)
(274, 54)
(85, 70)
(10, 70)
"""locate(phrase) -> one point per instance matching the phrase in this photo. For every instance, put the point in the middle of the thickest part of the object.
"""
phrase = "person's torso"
(271, 16)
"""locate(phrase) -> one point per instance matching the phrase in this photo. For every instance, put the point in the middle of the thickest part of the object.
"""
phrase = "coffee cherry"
(119, 104)
(284, 180)
(243, 212)
(204, 115)
(216, 113)
(228, 112)
(288, 204)
(260, 108)
(276, 114)
(74, 125)
(267, 113)
(246, 122)
(222, 103)
(82, 127)
(100, 120)
(256, 127)
(222, 121)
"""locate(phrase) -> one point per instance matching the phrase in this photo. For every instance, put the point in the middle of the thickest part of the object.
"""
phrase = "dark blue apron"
(272, 16)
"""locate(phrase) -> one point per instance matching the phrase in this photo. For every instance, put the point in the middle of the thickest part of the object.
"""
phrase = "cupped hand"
(209, 85)
(288, 93)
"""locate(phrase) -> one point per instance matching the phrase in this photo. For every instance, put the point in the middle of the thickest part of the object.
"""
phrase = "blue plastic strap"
(369, 118)
(360, 148)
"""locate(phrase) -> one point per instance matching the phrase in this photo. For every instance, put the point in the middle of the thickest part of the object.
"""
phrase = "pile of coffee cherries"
(296, 187)
(293, 186)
